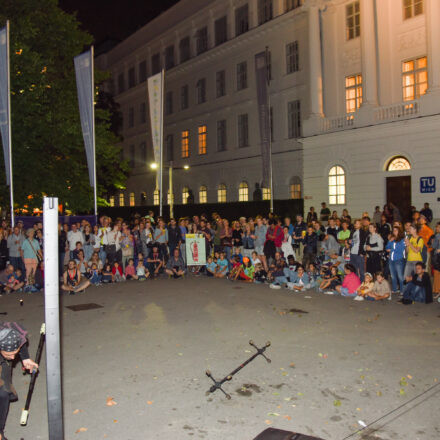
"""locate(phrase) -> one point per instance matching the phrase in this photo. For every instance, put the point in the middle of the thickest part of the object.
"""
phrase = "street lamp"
(185, 167)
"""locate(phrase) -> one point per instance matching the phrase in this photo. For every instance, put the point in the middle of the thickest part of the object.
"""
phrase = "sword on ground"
(34, 374)
(218, 384)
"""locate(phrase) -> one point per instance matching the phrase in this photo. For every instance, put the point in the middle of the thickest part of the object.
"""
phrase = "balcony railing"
(337, 123)
(395, 112)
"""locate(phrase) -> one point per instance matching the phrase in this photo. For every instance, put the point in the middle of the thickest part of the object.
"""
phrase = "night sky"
(114, 19)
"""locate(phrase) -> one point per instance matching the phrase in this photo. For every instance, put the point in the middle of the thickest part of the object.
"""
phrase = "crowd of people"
(369, 258)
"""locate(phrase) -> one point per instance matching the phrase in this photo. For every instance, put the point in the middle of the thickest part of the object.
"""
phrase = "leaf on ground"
(275, 394)
(320, 355)
(77, 411)
(81, 430)
(362, 423)
(409, 376)
(402, 392)
(403, 382)
(337, 403)
(379, 393)
(180, 354)
(292, 365)
(110, 401)
(150, 402)
(268, 422)
(115, 421)
(288, 417)
(300, 394)
(287, 399)
(273, 414)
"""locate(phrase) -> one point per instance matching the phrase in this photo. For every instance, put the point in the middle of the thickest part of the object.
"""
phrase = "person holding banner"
(12, 343)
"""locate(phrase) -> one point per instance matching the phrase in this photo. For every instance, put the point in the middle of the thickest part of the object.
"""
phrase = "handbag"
(39, 259)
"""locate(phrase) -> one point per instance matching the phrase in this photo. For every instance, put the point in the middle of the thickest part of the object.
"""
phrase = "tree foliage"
(47, 144)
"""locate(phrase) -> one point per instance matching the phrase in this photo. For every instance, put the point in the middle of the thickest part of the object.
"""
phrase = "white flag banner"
(4, 99)
(155, 97)
(84, 84)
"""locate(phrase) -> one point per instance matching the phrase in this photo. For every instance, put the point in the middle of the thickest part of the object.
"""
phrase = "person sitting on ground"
(418, 287)
(175, 266)
(142, 272)
(94, 275)
(77, 249)
(118, 274)
(236, 253)
(130, 270)
(329, 247)
(155, 262)
(276, 269)
(211, 265)
(351, 282)
(255, 259)
(313, 274)
(300, 282)
(247, 270)
(72, 281)
(107, 275)
(260, 275)
(222, 266)
(13, 284)
(310, 246)
(331, 280)
(81, 263)
(286, 245)
(237, 267)
(365, 288)
(381, 289)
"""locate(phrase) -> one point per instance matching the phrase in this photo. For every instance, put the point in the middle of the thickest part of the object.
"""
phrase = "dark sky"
(114, 19)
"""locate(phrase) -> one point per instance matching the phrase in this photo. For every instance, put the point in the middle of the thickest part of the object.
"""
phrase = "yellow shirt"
(412, 255)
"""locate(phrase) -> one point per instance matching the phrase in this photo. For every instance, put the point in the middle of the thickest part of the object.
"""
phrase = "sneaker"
(328, 292)
(275, 286)
(358, 298)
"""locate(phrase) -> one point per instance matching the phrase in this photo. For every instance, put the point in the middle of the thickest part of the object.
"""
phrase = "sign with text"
(195, 250)
(427, 184)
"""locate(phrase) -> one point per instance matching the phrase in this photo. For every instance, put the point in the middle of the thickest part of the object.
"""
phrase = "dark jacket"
(425, 282)
(362, 238)
(311, 243)
(174, 236)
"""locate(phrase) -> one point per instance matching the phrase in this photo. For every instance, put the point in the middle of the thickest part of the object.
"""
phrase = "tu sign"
(427, 184)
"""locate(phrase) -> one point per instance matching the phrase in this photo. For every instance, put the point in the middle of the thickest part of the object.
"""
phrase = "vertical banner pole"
(11, 186)
(95, 183)
(170, 170)
(270, 134)
(161, 145)
(52, 319)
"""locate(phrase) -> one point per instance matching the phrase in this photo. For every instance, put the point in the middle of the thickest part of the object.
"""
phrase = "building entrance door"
(399, 193)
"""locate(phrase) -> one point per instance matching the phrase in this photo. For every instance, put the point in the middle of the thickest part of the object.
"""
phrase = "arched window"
(398, 163)
(143, 198)
(185, 195)
(266, 193)
(203, 194)
(295, 188)
(221, 193)
(336, 186)
(132, 202)
(169, 198)
(156, 197)
(112, 201)
(243, 192)
(121, 199)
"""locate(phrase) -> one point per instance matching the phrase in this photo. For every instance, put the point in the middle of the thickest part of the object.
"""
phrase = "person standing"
(374, 248)
(15, 240)
(396, 251)
(357, 252)
(325, 213)
(427, 212)
(299, 231)
(30, 252)
(174, 236)
(311, 216)
(259, 237)
(414, 247)
(435, 261)
(74, 236)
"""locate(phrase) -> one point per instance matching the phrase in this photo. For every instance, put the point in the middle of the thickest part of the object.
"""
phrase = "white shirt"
(73, 238)
(102, 234)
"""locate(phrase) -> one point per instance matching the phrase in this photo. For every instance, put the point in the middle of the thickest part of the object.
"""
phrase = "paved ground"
(334, 364)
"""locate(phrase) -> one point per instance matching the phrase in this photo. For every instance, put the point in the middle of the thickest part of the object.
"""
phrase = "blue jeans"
(397, 268)
(17, 262)
(102, 255)
(358, 261)
(414, 293)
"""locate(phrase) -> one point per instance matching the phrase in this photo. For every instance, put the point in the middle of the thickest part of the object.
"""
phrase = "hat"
(369, 274)
(12, 336)
(246, 260)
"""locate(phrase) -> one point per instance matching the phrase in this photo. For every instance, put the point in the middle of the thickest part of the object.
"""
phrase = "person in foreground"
(12, 343)
(418, 287)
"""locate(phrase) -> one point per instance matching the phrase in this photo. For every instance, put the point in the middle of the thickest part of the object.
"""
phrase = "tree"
(47, 145)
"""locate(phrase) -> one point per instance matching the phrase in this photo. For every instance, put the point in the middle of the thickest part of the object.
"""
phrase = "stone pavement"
(335, 362)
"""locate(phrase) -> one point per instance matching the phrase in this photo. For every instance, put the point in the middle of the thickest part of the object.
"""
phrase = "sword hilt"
(261, 350)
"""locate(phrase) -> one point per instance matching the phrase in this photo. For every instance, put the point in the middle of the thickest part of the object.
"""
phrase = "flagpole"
(270, 135)
(11, 187)
(161, 145)
(95, 183)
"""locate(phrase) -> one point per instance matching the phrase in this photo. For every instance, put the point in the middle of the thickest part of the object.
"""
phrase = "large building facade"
(354, 96)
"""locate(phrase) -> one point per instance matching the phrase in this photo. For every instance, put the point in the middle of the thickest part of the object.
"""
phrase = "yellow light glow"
(154, 166)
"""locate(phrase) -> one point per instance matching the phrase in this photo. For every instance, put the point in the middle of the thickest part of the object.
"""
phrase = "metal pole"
(270, 136)
(95, 183)
(170, 171)
(52, 318)
(11, 179)
(161, 146)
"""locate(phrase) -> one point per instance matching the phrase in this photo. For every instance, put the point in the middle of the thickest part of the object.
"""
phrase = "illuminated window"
(353, 23)
(353, 93)
(295, 191)
(185, 143)
(336, 185)
(185, 195)
(398, 163)
(202, 139)
(221, 193)
(414, 78)
(203, 194)
(411, 8)
(170, 198)
(156, 197)
(243, 192)
(132, 202)
(121, 199)
(112, 201)
(266, 193)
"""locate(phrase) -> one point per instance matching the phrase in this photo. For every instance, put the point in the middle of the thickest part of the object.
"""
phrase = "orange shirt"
(426, 232)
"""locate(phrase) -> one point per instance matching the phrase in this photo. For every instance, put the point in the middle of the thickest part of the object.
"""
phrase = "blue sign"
(427, 184)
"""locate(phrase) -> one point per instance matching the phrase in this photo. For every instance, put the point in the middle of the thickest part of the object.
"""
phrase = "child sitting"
(142, 272)
(313, 275)
(118, 274)
(331, 280)
(365, 288)
(130, 270)
(236, 255)
(247, 270)
(78, 248)
(107, 275)
(381, 289)
(260, 275)
(255, 259)
(13, 284)
(222, 266)
(94, 275)
(237, 267)
(210, 267)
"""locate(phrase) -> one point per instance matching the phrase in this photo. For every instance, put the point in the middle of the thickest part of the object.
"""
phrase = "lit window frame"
(412, 8)
(203, 194)
(132, 200)
(353, 20)
(243, 192)
(185, 144)
(222, 193)
(111, 201)
(392, 164)
(121, 199)
(266, 193)
(411, 78)
(337, 185)
(202, 139)
(295, 191)
(156, 197)
(353, 93)
(185, 195)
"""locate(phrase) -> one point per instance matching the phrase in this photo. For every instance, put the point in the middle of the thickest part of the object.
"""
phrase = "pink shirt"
(130, 270)
(351, 282)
